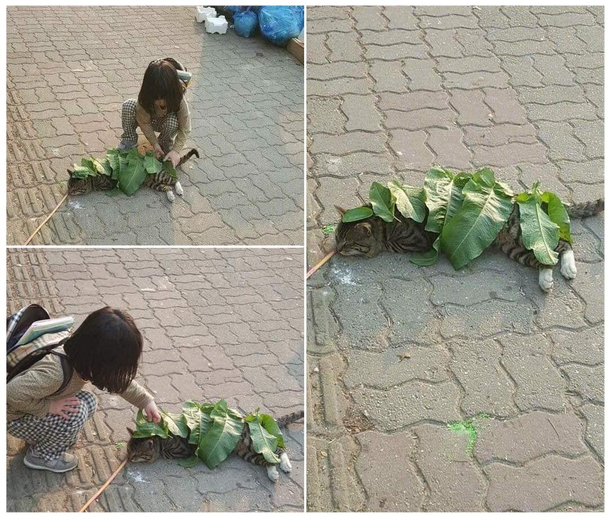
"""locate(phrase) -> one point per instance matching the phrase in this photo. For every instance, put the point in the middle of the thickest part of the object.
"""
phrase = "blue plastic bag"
(280, 23)
(245, 23)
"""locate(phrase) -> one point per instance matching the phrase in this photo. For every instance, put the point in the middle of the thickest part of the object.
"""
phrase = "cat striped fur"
(161, 181)
(149, 450)
(371, 236)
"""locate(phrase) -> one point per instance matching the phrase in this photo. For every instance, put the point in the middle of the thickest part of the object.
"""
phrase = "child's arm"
(29, 392)
(139, 397)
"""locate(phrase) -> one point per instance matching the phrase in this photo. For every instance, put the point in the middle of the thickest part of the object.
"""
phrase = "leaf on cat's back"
(477, 223)
(382, 202)
(151, 164)
(146, 429)
(170, 170)
(409, 201)
(444, 196)
(539, 233)
(558, 214)
(221, 438)
(263, 441)
(133, 175)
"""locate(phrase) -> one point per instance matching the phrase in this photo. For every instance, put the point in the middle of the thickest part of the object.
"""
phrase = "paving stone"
(527, 437)
(544, 484)
(389, 485)
(594, 416)
(452, 477)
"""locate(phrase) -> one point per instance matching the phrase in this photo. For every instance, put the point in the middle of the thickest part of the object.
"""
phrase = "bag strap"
(66, 369)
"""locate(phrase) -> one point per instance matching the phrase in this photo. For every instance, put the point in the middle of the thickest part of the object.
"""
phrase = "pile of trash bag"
(277, 23)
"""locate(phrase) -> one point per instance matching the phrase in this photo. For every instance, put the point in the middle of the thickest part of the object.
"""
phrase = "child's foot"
(64, 463)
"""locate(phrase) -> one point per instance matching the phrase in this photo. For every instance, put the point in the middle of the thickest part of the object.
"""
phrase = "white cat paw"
(568, 265)
(272, 472)
(178, 188)
(285, 464)
(170, 196)
(545, 279)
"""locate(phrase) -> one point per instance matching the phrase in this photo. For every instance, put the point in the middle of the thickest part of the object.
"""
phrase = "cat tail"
(283, 421)
(587, 209)
(187, 156)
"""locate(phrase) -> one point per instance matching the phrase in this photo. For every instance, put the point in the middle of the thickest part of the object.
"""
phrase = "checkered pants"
(167, 127)
(53, 435)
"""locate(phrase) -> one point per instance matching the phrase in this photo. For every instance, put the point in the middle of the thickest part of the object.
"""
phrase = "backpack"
(19, 358)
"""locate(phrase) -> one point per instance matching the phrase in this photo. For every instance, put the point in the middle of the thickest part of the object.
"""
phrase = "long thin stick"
(321, 263)
(45, 221)
(104, 486)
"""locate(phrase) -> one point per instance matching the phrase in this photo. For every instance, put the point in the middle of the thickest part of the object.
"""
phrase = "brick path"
(391, 92)
(216, 324)
(69, 70)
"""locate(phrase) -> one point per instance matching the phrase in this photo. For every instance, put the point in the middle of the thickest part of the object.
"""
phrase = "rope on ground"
(104, 486)
(320, 264)
(45, 221)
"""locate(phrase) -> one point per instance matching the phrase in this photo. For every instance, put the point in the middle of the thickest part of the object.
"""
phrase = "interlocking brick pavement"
(396, 352)
(217, 324)
(69, 70)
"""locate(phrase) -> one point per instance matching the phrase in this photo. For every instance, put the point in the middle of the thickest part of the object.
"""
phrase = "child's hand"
(158, 152)
(152, 412)
(64, 407)
(174, 157)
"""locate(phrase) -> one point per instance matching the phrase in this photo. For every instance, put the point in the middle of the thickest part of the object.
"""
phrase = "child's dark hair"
(161, 82)
(106, 349)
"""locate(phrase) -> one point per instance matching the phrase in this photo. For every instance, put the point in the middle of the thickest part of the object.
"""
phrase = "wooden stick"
(45, 221)
(104, 486)
(321, 263)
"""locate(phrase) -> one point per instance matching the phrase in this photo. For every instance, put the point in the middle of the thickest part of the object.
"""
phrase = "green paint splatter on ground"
(328, 229)
(119, 445)
(471, 427)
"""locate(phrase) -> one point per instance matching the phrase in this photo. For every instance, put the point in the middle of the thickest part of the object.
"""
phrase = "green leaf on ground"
(409, 201)
(357, 214)
(475, 225)
(382, 202)
(189, 462)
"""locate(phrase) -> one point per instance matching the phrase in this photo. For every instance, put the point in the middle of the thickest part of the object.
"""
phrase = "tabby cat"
(161, 181)
(149, 450)
(371, 236)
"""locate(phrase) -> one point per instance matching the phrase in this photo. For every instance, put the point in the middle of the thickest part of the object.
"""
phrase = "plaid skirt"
(167, 126)
(53, 435)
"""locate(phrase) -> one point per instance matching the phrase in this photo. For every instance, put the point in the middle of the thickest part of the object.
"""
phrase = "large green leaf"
(151, 164)
(113, 159)
(176, 425)
(484, 211)
(427, 258)
(263, 441)
(444, 196)
(222, 436)
(133, 174)
(409, 201)
(197, 418)
(539, 233)
(146, 429)
(558, 214)
(357, 214)
(271, 426)
(82, 171)
(381, 201)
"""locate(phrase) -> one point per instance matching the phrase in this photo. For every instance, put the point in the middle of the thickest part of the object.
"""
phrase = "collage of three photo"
(289, 258)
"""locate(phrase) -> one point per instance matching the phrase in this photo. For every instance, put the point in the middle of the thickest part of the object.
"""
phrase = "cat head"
(357, 238)
(76, 186)
(143, 450)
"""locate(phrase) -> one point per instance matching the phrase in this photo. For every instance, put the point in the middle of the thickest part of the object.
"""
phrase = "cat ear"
(365, 228)
(340, 210)
(130, 431)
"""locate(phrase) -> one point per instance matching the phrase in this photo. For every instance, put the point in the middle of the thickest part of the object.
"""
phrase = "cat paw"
(545, 279)
(285, 464)
(272, 473)
(568, 265)
(170, 196)
(178, 188)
